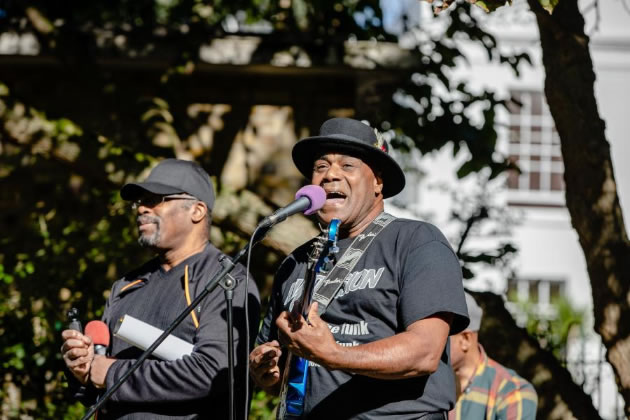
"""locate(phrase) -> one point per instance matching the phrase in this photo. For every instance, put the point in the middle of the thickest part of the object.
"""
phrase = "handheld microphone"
(73, 320)
(99, 333)
(308, 199)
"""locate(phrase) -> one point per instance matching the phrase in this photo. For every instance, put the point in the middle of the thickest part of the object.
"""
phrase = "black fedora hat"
(354, 138)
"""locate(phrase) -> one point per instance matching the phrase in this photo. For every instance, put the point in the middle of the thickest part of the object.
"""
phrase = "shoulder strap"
(328, 288)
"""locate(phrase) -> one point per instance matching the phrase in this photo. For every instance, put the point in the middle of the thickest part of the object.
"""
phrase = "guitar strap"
(327, 289)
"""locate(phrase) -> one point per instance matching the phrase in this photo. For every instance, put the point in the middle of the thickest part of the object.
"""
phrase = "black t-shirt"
(408, 273)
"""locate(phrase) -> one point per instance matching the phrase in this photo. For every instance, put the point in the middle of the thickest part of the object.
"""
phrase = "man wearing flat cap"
(376, 336)
(173, 208)
(487, 389)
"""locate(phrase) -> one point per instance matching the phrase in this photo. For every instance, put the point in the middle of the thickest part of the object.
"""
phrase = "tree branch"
(558, 396)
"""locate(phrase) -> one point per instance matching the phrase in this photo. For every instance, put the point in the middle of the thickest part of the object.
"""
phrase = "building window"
(540, 292)
(534, 145)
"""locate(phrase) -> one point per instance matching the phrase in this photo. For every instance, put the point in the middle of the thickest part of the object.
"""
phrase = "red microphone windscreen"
(98, 332)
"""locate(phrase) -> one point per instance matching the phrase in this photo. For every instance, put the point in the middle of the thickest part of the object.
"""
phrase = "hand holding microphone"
(99, 333)
(77, 349)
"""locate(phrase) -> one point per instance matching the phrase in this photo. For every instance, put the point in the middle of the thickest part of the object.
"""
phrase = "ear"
(454, 341)
(378, 184)
(466, 341)
(199, 211)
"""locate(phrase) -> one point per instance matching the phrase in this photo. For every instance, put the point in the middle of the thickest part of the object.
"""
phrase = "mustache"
(147, 218)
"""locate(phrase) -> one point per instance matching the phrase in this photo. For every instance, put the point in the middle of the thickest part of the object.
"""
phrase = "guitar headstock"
(321, 260)
(327, 261)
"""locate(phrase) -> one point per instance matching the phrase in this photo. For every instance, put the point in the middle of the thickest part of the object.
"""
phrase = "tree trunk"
(591, 193)
(558, 396)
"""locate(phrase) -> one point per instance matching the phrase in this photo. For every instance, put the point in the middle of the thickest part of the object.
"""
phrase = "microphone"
(308, 199)
(99, 333)
(73, 320)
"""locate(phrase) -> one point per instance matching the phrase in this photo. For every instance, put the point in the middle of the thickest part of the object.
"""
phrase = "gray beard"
(149, 241)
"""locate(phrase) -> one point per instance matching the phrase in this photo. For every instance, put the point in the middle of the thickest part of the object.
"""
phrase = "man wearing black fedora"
(173, 208)
(376, 334)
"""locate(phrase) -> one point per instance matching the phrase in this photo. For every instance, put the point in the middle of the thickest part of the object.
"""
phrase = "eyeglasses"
(155, 200)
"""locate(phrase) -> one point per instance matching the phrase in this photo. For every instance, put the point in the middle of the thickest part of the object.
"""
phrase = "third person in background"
(487, 389)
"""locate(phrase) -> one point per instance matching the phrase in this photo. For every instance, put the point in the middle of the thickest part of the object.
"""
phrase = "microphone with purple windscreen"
(308, 200)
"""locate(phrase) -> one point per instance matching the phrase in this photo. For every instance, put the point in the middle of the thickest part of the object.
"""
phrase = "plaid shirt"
(495, 392)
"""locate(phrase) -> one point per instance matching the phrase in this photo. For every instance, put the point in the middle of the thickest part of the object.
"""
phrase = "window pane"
(555, 290)
(512, 181)
(515, 104)
(557, 182)
(533, 291)
(537, 103)
(534, 181)
(512, 290)
(535, 136)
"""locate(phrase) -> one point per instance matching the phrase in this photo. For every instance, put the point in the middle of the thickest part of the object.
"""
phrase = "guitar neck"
(301, 306)
(295, 374)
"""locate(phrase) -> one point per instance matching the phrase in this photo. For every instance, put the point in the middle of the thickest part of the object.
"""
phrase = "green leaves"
(13, 356)
(4, 276)
(549, 5)
(263, 405)
(553, 332)
(490, 6)
(486, 5)
(60, 232)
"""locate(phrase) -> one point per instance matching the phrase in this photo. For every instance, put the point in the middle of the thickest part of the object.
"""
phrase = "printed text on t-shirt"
(354, 281)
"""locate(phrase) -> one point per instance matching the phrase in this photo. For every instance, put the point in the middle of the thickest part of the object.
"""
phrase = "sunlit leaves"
(554, 332)
(489, 5)
(14, 356)
(486, 5)
(4, 276)
(549, 5)
(58, 239)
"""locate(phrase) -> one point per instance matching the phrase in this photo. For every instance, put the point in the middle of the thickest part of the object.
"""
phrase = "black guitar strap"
(326, 289)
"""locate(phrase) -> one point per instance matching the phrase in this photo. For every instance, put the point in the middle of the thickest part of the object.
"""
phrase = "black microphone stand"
(228, 283)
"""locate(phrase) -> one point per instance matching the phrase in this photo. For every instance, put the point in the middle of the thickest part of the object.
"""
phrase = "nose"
(332, 173)
(142, 209)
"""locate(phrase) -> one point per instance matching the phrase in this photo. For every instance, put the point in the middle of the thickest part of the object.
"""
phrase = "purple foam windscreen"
(316, 194)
